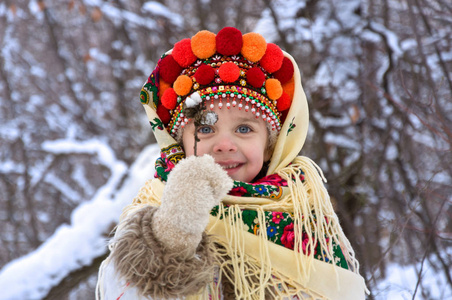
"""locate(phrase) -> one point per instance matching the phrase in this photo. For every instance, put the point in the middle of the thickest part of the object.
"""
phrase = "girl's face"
(237, 142)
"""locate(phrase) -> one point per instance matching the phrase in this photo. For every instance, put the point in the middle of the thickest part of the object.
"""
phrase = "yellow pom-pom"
(274, 88)
(254, 46)
(203, 44)
(182, 85)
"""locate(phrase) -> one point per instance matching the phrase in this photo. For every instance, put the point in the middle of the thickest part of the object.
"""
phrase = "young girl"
(233, 212)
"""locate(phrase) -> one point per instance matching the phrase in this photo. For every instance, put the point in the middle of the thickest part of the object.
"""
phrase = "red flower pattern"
(237, 191)
(273, 179)
(288, 237)
(277, 217)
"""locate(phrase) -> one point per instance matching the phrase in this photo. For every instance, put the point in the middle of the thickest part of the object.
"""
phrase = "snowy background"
(76, 145)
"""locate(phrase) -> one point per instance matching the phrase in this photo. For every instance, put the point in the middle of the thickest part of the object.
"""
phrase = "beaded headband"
(243, 70)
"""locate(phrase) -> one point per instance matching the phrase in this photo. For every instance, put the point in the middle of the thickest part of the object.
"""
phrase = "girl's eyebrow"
(245, 119)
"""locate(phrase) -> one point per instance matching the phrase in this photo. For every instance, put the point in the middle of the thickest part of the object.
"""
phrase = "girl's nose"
(225, 143)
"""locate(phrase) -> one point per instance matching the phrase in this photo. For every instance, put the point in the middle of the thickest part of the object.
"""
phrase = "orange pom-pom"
(183, 54)
(272, 59)
(289, 87)
(182, 85)
(169, 99)
(254, 46)
(203, 44)
(163, 86)
(163, 114)
(284, 102)
(274, 88)
(229, 72)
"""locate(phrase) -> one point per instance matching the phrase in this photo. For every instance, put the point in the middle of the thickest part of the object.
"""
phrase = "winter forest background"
(76, 144)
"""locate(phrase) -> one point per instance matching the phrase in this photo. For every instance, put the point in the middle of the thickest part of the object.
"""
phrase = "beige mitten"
(194, 187)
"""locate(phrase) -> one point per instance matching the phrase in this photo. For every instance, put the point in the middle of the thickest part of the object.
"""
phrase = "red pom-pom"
(284, 102)
(183, 54)
(205, 74)
(169, 99)
(255, 77)
(229, 72)
(163, 114)
(272, 59)
(229, 41)
(169, 69)
(285, 73)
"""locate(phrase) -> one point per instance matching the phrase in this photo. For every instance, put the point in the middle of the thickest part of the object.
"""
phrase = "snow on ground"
(401, 281)
(77, 244)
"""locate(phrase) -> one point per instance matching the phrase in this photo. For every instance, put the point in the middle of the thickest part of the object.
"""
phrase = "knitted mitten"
(194, 187)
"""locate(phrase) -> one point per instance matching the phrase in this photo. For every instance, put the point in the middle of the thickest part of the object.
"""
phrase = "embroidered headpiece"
(243, 70)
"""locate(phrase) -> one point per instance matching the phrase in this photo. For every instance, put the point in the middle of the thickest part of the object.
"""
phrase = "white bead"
(223, 95)
(212, 106)
(240, 105)
(239, 96)
(220, 104)
(234, 103)
(216, 96)
(207, 97)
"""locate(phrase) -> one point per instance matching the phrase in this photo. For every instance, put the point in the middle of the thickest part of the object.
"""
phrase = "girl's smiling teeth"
(229, 165)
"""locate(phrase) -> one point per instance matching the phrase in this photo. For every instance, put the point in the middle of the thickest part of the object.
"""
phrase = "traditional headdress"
(244, 71)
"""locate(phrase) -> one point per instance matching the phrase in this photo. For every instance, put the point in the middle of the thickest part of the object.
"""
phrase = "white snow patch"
(77, 244)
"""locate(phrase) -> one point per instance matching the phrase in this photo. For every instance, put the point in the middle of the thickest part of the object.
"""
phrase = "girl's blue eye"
(205, 130)
(243, 129)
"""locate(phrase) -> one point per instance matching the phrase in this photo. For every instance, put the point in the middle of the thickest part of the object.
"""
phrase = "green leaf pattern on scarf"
(279, 227)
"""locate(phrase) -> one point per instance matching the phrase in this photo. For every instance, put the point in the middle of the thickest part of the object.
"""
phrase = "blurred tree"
(377, 74)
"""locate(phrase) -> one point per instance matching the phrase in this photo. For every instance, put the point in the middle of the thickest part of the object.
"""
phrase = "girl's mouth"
(230, 166)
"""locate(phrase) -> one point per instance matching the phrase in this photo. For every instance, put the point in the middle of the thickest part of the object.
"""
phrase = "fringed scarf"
(272, 235)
